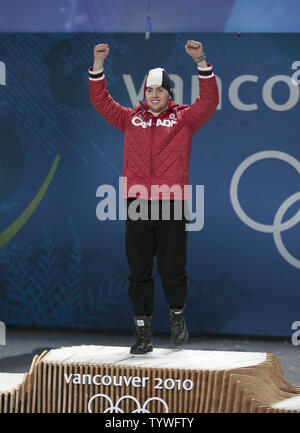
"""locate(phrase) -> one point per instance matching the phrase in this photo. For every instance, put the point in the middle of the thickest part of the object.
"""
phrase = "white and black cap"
(158, 77)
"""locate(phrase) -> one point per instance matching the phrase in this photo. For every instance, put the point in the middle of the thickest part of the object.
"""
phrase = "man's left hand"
(194, 48)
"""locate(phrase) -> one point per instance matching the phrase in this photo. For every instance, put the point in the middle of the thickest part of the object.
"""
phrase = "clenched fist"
(194, 48)
(101, 51)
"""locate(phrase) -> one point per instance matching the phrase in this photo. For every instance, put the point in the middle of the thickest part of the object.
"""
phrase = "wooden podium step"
(83, 379)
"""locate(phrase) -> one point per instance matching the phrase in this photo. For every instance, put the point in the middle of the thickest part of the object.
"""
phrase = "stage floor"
(23, 343)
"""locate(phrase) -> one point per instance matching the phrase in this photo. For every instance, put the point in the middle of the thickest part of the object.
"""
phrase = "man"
(157, 143)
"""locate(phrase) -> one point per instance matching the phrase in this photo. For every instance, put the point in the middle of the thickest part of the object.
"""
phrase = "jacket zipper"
(180, 164)
(152, 134)
(153, 126)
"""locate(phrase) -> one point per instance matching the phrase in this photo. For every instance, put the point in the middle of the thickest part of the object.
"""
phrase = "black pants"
(168, 240)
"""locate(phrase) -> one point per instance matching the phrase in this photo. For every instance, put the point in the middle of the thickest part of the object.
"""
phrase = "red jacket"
(156, 149)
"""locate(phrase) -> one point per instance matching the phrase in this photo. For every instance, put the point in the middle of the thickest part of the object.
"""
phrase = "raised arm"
(110, 110)
(101, 51)
(206, 103)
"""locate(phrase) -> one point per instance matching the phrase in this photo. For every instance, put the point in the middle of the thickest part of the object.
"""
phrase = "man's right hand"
(101, 51)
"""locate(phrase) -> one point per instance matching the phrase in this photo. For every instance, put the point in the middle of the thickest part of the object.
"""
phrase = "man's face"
(157, 98)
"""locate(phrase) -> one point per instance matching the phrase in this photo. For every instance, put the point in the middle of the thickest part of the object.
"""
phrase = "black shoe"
(144, 336)
(178, 326)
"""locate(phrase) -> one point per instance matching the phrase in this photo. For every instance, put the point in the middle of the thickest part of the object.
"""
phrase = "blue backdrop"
(61, 266)
(165, 16)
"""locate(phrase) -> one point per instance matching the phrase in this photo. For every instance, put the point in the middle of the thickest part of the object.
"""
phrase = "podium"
(108, 379)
